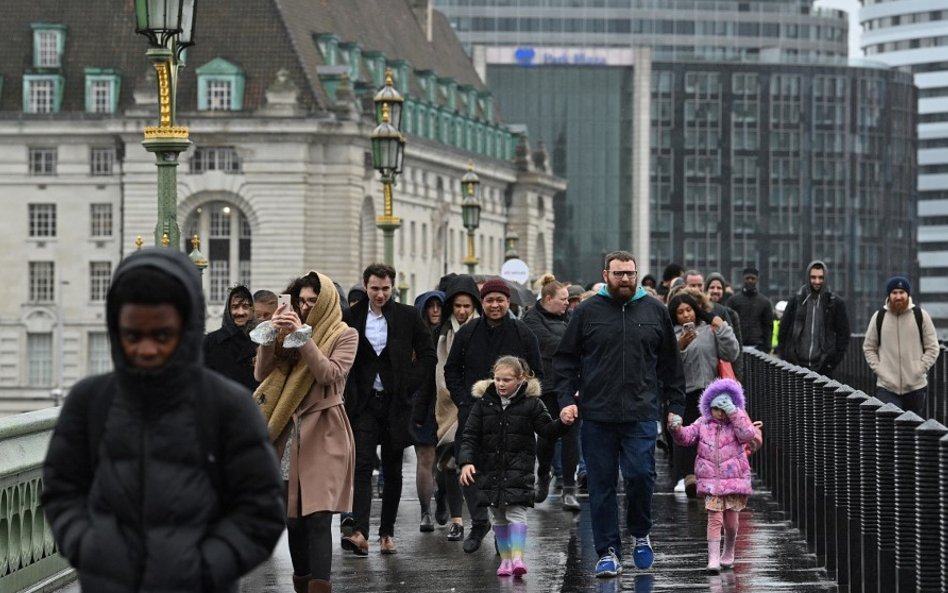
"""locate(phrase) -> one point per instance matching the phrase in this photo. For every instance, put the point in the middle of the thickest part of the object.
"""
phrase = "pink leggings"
(718, 518)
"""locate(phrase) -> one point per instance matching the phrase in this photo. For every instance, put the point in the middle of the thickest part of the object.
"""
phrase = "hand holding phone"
(688, 328)
(285, 299)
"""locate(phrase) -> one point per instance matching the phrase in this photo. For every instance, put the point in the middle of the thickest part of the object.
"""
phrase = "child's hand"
(674, 422)
(467, 474)
(723, 402)
(569, 414)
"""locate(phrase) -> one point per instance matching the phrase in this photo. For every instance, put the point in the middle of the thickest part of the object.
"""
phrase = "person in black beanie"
(755, 311)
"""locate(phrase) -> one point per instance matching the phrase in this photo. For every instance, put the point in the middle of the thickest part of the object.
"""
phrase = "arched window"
(225, 242)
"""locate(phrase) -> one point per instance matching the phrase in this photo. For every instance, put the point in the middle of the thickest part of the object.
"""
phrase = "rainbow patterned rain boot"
(518, 541)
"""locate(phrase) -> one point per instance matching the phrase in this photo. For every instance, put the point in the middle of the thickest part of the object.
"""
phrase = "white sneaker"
(680, 486)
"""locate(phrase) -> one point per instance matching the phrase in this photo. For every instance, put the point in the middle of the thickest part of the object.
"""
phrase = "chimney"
(422, 10)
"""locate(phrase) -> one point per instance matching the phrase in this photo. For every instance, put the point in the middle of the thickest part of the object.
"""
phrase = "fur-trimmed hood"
(720, 387)
(531, 389)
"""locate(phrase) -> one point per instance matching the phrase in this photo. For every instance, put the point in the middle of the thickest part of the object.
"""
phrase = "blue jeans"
(608, 447)
(913, 401)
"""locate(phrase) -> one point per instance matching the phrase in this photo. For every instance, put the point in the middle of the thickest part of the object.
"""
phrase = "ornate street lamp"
(169, 27)
(510, 249)
(470, 212)
(388, 150)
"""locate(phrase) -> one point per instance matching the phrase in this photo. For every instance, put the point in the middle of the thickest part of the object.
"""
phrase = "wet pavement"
(771, 556)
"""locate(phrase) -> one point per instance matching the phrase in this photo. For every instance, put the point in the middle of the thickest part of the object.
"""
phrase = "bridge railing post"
(904, 478)
(885, 495)
(868, 497)
(927, 507)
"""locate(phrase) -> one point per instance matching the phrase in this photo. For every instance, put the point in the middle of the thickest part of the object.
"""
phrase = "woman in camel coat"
(304, 369)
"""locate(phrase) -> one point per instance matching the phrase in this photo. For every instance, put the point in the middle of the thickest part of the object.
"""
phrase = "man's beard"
(615, 290)
(898, 306)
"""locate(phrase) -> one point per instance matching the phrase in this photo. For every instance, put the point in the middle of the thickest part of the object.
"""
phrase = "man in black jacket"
(477, 345)
(160, 475)
(814, 329)
(620, 355)
(229, 350)
(755, 311)
(395, 359)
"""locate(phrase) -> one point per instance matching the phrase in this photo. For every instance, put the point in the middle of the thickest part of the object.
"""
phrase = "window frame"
(30, 81)
(42, 167)
(114, 84)
(216, 71)
(100, 274)
(38, 228)
(97, 222)
(41, 29)
(42, 289)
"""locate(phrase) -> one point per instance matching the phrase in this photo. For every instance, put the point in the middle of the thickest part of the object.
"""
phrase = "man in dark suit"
(395, 359)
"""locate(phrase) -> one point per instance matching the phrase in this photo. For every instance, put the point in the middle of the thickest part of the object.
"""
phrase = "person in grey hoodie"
(814, 330)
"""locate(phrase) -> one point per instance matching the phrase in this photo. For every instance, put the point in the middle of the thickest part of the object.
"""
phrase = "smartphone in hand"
(688, 328)
(285, 299)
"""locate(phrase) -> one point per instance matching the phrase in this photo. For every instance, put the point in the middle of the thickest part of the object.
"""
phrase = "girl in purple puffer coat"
(721, 467)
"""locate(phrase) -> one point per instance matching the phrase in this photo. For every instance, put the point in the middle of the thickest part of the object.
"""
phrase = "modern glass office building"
(679, 29)
(912, 35)
(770, 164)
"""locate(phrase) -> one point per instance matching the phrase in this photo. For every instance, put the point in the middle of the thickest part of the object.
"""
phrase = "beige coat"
(446, 413)
(898, 359)
(322, 460)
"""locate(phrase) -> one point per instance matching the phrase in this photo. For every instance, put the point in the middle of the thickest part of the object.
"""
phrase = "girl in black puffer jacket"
(499, 447)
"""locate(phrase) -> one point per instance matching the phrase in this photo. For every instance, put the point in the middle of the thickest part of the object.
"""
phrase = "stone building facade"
(278, 179)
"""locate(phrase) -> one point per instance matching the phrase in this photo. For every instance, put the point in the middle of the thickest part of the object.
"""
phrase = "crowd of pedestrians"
(503, 405)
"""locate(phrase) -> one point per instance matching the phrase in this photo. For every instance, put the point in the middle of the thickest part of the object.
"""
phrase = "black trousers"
(570, 452)
(479, 514)
(380, 423)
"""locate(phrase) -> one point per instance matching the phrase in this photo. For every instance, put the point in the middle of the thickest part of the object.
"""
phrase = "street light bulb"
(226, 210)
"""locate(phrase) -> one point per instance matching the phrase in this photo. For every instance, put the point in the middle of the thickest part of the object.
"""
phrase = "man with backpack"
(900, 346)
(160, 475)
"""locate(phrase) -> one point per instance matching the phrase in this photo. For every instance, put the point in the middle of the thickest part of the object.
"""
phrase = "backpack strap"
(880, 314)
(917, 311)
(208, 421)
(918, 321)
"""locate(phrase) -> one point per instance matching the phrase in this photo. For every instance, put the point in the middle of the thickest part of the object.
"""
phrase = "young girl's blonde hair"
(518, 365)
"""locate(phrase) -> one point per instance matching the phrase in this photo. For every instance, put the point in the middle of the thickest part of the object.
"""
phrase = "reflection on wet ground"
(771, 556)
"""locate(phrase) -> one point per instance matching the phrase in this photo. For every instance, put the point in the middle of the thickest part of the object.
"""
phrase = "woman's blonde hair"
(549, 285)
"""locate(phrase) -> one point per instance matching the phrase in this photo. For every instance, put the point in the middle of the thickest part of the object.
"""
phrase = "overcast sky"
(852, 7)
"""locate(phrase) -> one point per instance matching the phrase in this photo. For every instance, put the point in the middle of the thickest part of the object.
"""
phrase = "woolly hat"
(575, 291)
(898, 282)
(751, 271)
(495, 285)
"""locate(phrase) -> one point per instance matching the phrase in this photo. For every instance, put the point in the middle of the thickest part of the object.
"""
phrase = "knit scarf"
(281, 393)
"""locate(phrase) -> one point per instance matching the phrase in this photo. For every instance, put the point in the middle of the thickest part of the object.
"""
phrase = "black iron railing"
(866, 483)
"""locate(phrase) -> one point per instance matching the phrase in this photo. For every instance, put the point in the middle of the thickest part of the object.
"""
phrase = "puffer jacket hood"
(533, 388)
(189, 355)
(721, 387)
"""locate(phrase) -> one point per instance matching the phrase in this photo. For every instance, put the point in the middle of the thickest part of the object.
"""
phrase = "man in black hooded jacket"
(814, 331)
(229, 350)
(160, 476)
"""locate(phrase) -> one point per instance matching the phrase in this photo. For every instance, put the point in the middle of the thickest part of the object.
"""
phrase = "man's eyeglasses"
(621, 273)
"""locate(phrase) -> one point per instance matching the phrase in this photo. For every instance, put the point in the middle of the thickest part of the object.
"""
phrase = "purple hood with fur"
(721, 387)
(721, 465)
